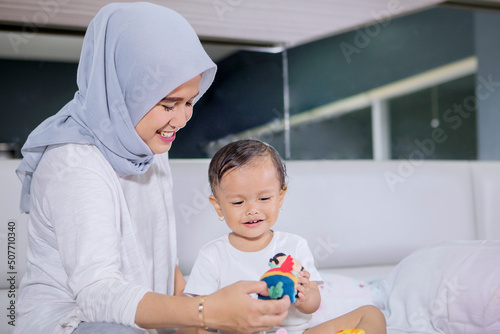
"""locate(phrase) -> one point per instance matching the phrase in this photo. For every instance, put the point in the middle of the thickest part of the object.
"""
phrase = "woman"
(101, 254)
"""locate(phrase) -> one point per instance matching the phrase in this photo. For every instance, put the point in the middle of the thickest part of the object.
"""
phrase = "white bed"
(362, 220)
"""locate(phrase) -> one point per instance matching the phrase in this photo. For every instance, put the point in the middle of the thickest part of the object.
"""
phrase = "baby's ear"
(216, 205)
(282, 194)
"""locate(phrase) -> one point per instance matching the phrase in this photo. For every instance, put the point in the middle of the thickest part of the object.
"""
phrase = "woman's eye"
(189, 104)
(167, 108)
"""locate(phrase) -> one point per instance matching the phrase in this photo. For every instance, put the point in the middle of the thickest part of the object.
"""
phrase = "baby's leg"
(369, 318)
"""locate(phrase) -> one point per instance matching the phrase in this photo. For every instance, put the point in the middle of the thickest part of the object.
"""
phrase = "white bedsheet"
(341, 294)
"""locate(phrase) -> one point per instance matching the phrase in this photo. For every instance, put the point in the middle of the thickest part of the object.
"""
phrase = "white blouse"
(98, 242)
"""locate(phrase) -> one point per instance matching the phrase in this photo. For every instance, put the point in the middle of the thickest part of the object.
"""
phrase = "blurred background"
(330, 79)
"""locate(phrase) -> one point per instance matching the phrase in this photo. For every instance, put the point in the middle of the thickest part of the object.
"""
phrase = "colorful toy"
(351, 331)
(282, 278)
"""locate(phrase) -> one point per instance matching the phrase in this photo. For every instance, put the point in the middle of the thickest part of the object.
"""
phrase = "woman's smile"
(167, 136)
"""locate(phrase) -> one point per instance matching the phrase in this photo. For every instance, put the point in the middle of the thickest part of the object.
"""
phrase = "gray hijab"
(133, 55)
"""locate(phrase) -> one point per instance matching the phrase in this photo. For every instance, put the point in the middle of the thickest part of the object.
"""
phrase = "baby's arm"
(309, 298)
(368, 318)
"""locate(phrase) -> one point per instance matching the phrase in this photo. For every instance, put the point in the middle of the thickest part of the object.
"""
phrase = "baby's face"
(249, 198)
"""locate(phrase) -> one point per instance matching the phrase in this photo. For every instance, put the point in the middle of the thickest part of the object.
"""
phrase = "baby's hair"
(241, 153)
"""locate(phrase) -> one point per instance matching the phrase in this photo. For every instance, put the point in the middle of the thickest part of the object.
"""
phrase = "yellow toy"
(351, 331)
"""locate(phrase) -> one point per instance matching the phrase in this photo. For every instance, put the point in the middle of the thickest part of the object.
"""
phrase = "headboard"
(358, 213)
(353, 213)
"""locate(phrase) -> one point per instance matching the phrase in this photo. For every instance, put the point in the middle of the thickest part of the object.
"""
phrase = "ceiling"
(223, 25)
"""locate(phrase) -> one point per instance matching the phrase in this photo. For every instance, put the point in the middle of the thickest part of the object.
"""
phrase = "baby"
(248, 182)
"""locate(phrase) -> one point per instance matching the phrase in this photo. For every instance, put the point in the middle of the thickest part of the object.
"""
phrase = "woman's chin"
(160, 149)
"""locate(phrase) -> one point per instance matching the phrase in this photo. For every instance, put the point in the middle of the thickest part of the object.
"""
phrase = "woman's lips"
(167, 136)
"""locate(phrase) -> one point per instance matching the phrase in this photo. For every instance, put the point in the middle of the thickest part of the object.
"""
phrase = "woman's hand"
(308, 297)
(232, 309)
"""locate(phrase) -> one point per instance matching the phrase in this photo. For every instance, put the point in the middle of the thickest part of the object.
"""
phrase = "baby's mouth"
(251, 222)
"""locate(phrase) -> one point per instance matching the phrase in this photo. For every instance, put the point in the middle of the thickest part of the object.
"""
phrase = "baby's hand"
(303, 288)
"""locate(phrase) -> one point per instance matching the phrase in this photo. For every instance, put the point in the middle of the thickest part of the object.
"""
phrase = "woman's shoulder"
(73, 159)
(73, 155)
(70, 171)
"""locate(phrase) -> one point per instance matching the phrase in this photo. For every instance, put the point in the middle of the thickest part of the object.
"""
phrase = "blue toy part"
(287, 285)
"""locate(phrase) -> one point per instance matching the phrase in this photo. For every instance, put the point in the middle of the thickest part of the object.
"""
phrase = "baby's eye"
(265, 198)
(237, 203)
(167, 108)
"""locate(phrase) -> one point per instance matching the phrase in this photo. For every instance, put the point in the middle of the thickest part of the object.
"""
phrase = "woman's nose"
(181, 117)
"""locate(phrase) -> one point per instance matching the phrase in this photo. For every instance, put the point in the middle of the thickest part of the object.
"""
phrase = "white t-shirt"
(98, 242)
(219, 264)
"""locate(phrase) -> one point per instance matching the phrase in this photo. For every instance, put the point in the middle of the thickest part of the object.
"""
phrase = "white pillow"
(453, 287)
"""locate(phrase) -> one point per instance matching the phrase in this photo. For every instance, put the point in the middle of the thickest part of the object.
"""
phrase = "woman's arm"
(80, 204)
(230, 309)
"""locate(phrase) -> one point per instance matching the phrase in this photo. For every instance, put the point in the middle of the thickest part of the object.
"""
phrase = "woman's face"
(159, 126)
